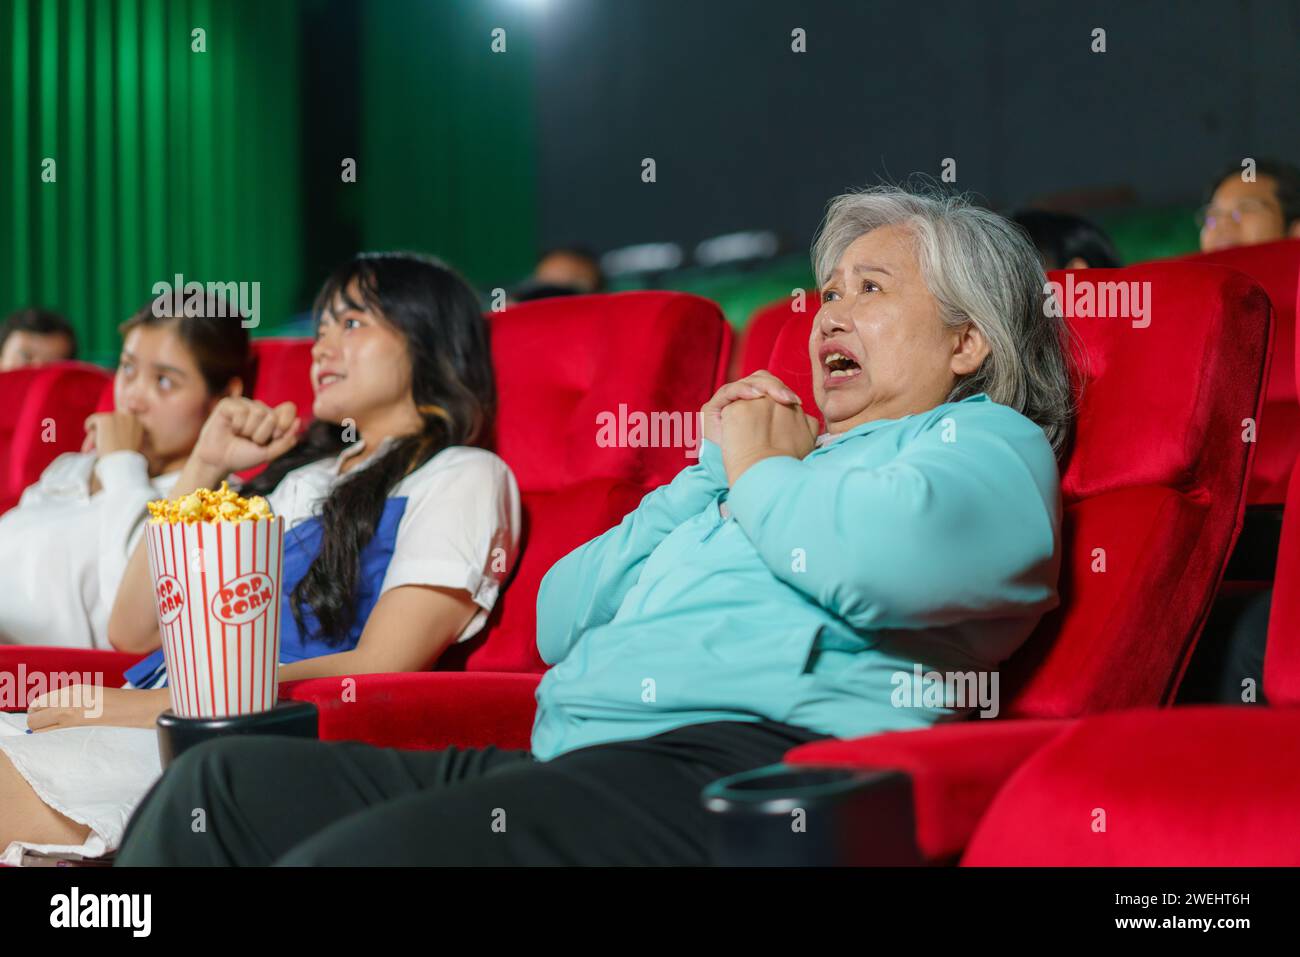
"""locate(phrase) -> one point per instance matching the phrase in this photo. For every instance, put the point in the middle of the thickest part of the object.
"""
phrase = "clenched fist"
(242, 433)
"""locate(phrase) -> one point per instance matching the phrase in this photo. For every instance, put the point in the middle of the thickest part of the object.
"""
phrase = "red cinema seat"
(106, 401)
(1204, 786)
(1282, 653)
(282, 373)
(1276, 267)
(42, 415)
(791, 363)
(766, 324)
(1154, 495)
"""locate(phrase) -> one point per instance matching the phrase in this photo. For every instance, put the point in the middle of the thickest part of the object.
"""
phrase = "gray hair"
(981, 269)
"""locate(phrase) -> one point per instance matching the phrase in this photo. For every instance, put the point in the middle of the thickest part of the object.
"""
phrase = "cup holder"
(176, 735)
(782, 815)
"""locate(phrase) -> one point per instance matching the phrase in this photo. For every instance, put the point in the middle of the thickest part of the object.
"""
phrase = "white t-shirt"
(65, 550)
(460, 527)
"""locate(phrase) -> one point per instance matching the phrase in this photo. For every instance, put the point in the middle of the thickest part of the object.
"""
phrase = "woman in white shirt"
(399, 536)
(68, 540)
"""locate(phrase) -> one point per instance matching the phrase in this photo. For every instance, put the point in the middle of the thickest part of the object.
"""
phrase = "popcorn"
(217, 570)
(205, 505)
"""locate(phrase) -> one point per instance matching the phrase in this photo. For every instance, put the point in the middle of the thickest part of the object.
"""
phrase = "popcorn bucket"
(217, 586)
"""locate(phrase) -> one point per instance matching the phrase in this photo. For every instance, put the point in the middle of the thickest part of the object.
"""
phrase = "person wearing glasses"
(1242, 213)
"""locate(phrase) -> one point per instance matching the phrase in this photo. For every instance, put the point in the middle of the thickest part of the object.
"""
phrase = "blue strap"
(148, 672)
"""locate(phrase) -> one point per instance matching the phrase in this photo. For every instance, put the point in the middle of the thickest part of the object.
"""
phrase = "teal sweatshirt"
(824, 592)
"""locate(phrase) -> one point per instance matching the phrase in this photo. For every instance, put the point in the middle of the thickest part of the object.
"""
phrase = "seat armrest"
(425, 711)
(30, 670)
(954, 770)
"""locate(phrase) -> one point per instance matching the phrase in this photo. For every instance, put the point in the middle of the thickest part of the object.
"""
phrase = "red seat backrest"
(565, 368)
(282, 373)
(42, 414)
(791, 363)
(1153, 488)
(1276, 267)
(1282, 653)
(766, 324)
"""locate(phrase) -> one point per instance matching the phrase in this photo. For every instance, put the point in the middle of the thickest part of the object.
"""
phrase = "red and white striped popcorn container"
(217, 586)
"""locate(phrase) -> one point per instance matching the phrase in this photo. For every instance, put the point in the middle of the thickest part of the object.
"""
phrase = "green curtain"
(447, 161)
(168, 160)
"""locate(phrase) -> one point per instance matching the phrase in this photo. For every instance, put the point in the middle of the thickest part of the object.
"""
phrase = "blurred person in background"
(562, 271)
(35, 337)
(1065, 241)
(68, 539)
(1242, 213)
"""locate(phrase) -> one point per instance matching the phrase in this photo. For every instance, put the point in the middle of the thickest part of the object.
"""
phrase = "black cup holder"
(176, 735)
(809, 817)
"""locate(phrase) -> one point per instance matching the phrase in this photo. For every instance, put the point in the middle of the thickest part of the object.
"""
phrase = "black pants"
(272, 800)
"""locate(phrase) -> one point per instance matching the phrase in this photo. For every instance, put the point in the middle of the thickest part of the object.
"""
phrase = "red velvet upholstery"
(42, 414)
(423, 710)
(790, 361)
(560, 365)
(1202, 786)
(38, 668)
(555, 523)
(106, 401)
(956, 770)
(1155, 480)
(1276, 267)
(282, 373)
(562, 362)
(765, 325)
(1282, 653)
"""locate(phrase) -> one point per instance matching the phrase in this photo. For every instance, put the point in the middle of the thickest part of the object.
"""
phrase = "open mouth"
(840, 366)
(327, 380)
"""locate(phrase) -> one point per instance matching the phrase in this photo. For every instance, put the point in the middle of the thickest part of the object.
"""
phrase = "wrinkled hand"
(242, 433)
(752, 386)
(81, 705)
(757, 429)
(112, 432)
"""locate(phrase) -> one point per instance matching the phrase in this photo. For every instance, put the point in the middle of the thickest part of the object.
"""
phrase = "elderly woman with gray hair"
(788, 587)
